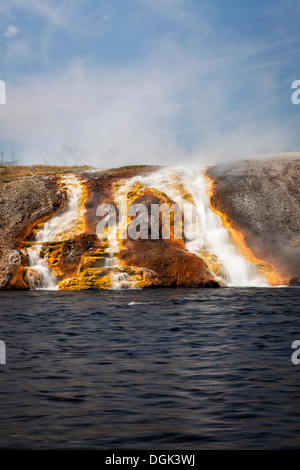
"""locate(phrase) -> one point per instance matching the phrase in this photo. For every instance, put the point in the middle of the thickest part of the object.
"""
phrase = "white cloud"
(11, 31)
(111, 117)
(114, 117)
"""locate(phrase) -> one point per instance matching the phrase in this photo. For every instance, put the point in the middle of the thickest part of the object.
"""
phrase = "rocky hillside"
(24, 202)
(148, 263)
(261, 198)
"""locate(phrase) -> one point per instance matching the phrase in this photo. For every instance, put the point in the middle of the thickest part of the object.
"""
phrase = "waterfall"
(119, 278)
(61, 227)
(234, 269)
(213, 242)
(39, 274)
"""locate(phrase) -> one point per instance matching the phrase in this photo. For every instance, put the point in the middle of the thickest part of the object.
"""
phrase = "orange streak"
(81, 226)
(267, 269)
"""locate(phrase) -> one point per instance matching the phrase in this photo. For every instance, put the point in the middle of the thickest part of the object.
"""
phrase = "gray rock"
(24, 201)
(262, 198)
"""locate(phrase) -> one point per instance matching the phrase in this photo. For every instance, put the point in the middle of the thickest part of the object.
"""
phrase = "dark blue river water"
(156, 369)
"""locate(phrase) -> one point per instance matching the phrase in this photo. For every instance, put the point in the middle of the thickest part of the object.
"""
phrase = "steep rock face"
(91, 270)
(24, 202)
(11, 270)
(99, 186)
(167, 260)
(261, 199)
(145, 263)
(166, 264)
(65, 258)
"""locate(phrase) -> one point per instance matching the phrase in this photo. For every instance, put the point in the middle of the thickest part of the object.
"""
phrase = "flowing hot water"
(61, 227)
(213, 241)
(119, 278)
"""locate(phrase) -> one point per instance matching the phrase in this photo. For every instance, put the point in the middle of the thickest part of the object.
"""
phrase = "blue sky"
(110, 82)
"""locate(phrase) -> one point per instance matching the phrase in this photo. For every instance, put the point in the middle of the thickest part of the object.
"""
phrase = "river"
(164, 369)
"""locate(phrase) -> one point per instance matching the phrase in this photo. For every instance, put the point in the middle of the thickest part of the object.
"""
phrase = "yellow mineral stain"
(67, 184)
(137, 189)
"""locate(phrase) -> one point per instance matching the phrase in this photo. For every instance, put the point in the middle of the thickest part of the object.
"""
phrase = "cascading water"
(119, 278)
(235, 269)
(39, 274)
(213, 242)
(61, 227)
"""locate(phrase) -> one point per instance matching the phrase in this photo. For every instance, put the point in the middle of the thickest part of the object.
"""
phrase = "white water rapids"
(60, 227)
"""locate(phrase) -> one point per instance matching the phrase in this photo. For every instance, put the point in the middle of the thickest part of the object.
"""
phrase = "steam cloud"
(175, 105)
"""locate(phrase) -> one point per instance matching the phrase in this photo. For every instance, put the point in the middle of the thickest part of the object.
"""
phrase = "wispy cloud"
(192, 85)
(110, 116)
(11, 31)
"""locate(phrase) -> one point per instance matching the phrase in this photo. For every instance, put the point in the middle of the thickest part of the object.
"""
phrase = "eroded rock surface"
(261, 198)
(167, 260)
(24, 202)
